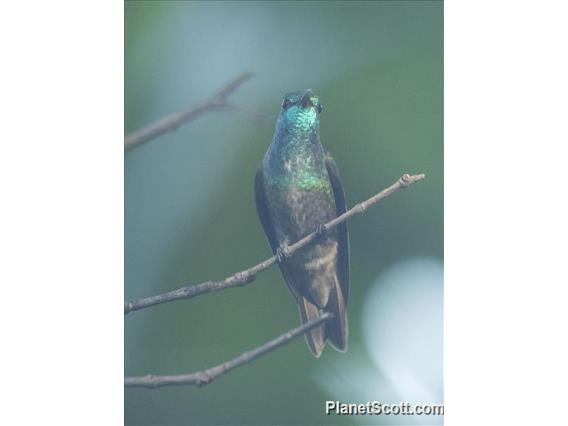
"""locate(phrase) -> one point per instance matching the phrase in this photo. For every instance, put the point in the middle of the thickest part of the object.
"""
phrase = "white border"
(505, 212)
(62, 193)
(61, 219)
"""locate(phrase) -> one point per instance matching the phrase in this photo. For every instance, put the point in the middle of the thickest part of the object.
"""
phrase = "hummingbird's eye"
(319, 108)
(286, 103)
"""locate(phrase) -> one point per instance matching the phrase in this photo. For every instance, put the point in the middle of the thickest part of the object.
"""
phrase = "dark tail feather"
(337, 330)
(314, 338)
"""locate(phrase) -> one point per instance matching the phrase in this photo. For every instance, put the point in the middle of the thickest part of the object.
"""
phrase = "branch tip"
(232, 86)
(407, 179)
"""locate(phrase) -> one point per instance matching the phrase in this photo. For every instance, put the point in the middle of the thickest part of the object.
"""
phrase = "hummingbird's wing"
(337, 331)
(343, 239)
(314, 338)
(262, 210)
(264, 215)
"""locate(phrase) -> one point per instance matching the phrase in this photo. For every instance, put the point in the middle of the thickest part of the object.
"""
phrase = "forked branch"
(173, 121)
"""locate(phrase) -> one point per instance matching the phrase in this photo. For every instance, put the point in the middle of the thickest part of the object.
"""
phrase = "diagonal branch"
(173, 121)
(205, 377)
(246, 276)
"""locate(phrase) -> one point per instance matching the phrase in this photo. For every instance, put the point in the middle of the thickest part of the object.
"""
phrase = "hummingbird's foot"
(321, 230)
(282, 253)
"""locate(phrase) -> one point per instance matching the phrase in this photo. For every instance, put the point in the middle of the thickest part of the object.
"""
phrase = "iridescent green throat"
(296, 157)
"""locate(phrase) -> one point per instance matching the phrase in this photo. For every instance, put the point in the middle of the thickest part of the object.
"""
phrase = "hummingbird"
(297, 190)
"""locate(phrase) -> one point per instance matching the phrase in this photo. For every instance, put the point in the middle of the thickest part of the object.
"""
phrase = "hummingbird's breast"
(298, 193)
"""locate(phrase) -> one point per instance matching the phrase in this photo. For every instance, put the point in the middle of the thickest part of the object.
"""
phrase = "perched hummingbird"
(298, 189)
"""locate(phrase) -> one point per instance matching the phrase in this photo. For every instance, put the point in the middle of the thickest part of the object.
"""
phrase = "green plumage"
(298, 188)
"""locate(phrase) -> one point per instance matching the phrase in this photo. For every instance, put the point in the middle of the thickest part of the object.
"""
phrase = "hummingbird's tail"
(336, 330)
(315, 338)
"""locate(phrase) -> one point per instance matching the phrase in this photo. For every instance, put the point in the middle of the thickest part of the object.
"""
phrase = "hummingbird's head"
(300, 111)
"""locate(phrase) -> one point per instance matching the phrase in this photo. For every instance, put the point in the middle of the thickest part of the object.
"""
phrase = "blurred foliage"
(189, 197)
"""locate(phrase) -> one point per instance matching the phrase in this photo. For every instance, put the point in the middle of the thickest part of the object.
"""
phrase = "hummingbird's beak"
(306, 98)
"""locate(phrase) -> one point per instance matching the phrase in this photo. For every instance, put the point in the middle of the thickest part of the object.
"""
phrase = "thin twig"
(245, 112)
(173, 121)
(246, 276)
(205, 377)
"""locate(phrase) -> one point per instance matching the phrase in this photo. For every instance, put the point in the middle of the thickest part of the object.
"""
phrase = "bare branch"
(205, 377)
(173, 121)
(246, 276)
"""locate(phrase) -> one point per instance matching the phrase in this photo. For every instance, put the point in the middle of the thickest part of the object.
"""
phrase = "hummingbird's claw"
(282, 253)
(321, 230)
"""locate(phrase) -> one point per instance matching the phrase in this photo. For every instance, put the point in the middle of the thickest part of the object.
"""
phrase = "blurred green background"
(189, 197)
